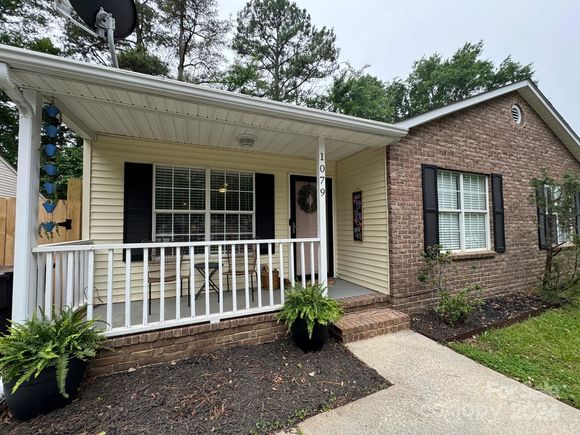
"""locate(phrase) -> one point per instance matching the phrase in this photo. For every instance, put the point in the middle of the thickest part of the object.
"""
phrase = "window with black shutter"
(176, 204)
(137, 206)
(498, 213)
(456, 212)
(265, 225)
(430, 205)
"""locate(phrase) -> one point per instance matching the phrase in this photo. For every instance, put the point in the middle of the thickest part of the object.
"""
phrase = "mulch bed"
(254, 389)
(495, 312)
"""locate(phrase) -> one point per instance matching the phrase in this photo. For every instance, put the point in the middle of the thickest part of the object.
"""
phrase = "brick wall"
(481, 139)
(149, 348)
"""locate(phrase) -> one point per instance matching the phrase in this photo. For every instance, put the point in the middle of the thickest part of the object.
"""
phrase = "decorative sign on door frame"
(357, 216)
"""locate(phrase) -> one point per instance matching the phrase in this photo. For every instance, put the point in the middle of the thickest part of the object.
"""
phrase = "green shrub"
(454, 309)
(30, 347)
(310, 304)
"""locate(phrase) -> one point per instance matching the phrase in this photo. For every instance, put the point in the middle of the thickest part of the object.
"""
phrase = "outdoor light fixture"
(224, 188)
(246, 140)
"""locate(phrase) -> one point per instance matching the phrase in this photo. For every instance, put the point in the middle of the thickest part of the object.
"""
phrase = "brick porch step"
(353, 304)
(369, 323)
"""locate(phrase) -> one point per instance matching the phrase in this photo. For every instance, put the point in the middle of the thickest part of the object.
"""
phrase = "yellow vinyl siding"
(108, 155)
(364, 263)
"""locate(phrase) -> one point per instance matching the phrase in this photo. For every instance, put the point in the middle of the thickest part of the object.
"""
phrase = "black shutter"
(137, 206)
(265, 226)
(498, 212)
(577, 199)
(542, 223)
(430, 205)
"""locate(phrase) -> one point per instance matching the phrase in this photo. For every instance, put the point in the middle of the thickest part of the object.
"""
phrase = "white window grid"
(563, 234)
(207, 212)
(461, 211)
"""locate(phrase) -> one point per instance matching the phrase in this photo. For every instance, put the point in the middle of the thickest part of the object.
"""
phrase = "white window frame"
(559, 228)
(461, 211)
(208, 211)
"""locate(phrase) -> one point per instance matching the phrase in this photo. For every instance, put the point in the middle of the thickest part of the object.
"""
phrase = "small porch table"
(213, 267)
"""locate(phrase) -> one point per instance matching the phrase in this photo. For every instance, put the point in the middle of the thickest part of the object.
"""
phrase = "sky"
(389, 35)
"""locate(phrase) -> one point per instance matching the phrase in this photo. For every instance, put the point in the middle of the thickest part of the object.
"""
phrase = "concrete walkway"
(438, 391)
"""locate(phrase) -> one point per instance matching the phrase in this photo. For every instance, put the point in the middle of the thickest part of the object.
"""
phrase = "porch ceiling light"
(246, 140)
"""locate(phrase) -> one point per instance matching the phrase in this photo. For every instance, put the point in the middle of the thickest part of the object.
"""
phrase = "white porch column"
(27, 190)
(322, 232)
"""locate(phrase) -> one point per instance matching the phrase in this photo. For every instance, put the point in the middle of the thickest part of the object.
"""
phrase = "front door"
(304, 221)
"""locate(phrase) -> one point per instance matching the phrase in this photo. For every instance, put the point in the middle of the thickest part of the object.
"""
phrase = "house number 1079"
(322, 175)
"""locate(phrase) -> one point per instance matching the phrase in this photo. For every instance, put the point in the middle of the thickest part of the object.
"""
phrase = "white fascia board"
(454, 107)
(40, 63)
(554, 114)
(527, 89)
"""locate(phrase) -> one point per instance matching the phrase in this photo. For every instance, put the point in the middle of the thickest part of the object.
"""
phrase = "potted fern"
(43, 360)
(307, 313)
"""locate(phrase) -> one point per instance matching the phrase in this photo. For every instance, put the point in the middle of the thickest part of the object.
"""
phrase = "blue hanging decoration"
(51, 130)
(51, 110)
(48, 187)
(48, 226)
(50, 169)
(50, 149)
(49, 206)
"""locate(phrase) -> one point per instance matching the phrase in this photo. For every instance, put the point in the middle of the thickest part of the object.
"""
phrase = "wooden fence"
(69, 209)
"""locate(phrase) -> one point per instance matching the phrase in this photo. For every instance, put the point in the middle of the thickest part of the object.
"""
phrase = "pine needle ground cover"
(542, 352)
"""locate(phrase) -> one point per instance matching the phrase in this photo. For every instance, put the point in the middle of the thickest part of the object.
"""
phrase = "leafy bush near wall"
(450, 308)
(454, 309)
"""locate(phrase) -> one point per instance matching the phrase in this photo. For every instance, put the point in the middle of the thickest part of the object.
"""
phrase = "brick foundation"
(149, 348)
(482, 139)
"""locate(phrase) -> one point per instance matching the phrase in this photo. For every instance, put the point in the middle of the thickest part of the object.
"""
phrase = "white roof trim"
(97, 74)
(529, 92)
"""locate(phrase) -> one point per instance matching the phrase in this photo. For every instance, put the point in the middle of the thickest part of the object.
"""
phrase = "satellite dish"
(123, 12)
(105, 19)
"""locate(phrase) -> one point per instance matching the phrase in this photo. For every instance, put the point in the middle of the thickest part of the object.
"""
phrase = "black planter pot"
(40, 395)
(303, 341)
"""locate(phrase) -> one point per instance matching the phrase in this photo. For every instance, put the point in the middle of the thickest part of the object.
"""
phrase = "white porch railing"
(172, 284)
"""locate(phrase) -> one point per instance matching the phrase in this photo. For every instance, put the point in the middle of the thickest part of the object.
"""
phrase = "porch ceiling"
(101, 100)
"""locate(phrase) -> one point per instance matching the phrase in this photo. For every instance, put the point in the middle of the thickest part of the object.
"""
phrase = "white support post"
(26, 232)
(322, 232)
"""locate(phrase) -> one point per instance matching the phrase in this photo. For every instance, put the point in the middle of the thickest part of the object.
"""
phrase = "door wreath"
(307, 198)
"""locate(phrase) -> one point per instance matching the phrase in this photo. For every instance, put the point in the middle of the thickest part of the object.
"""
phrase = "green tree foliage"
(356, 93)
(280, 54)
(195, 36)
(8, 129)
(433, 82)
(20, 24)
(138, 59)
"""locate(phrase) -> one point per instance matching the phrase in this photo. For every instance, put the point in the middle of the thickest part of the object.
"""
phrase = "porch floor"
(339, 290)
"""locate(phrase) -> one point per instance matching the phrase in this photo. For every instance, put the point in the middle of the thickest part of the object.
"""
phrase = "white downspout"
(29, 103)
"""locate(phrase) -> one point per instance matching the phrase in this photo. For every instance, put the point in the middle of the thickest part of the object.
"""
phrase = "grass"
(542, 352)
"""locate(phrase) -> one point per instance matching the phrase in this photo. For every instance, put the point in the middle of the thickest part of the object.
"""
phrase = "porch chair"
(240, 266)
(154, 272)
